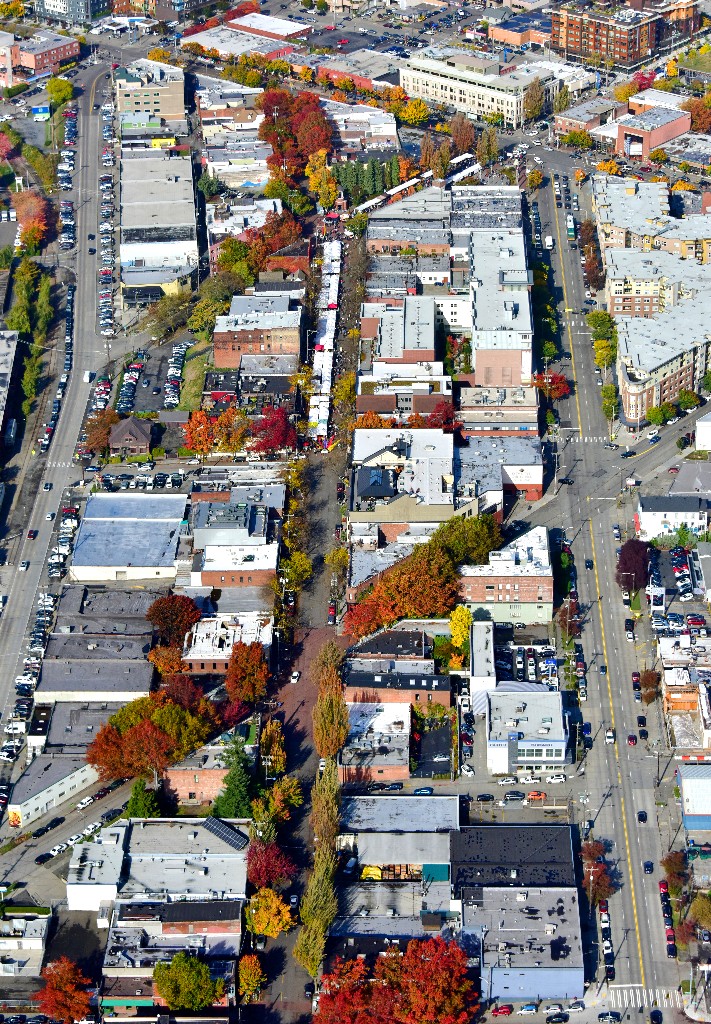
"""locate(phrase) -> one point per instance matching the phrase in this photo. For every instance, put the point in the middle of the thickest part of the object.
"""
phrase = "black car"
(648, 867)
(55, 823)
(671, 950)
(43, 858)
(642, 817)
(627, 455)
(485, 798)
(377, 787)
(394, 787)
(39, 832)
(610, 972)
(589, 563)
(557, 1018)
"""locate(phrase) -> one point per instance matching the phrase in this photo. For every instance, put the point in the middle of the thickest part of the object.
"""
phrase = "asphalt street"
(619, 779)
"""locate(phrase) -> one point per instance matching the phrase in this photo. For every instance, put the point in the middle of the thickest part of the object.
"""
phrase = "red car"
(31, 534)
(502, 1011)
(631, 740)
(663, 887)
(635, 677)
(602, 907)
(343, 42)
(671, 937)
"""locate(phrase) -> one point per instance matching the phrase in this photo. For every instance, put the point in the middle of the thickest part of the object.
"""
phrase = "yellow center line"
(617, 758)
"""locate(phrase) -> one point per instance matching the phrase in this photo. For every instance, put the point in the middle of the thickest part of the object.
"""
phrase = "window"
(192, 796)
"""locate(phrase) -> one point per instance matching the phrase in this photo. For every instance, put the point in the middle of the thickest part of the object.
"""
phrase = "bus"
(570, 226)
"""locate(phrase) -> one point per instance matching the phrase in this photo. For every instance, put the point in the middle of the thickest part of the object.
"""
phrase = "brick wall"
(194, 787)
(394, 695)
(230, 346)
(479, 589)
(237, 578)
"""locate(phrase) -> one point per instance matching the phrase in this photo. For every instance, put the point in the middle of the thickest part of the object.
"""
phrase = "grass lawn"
(635, 602)
(194, 376)
(701, 62)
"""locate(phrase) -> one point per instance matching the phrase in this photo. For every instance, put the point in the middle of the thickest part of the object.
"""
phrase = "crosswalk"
(619, 997)
(57, 464)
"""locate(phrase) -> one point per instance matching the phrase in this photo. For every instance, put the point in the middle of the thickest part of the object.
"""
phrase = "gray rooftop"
(693, 478)
(540, 930)
(588, 109)
(536, 716)
(97, 647)
(138, 530)
(672, 503)
(649, 120)
(399, 814)
(157, 196)
(8, 349)
(44, 771)
(647, 343)
(73, 726)
(640, 206)
(658, 267)
(395, 909)
(85, 676)
(478, 465)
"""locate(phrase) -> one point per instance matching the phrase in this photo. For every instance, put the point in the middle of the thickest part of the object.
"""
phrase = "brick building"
(43, 52)
(627, 37)
(265, 323)
(395, 666)
(378, 744)
(517, 583)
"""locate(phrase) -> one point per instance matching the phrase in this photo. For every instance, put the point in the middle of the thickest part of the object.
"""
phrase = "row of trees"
(330, 720)
(425, 584)
(31, 316)
(661, 414)
(360, 181)
(232, 429)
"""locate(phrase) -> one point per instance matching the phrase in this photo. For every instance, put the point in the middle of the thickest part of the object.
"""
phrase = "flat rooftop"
(279, 27)
(377, 734)
(137, 530)
(478, 466)
(157, 192)
(652, 119)
(44, 771)
(227, 40)
(94, 677)
(74, 726)
(588, 109)
(244, 558)
(514, 856)
(399, 813)
(214, 637)
(640, 206)
(397, 911)
(647, 343)
(531, 716)
(500, 282)
(525, 928)
(527, 555)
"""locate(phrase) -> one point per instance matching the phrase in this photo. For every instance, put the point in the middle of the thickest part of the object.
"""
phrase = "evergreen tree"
(426, 152)
(378, 177)
(369, 179)
(387, 176)
(394, 170)
(235, 799)
(143, 802)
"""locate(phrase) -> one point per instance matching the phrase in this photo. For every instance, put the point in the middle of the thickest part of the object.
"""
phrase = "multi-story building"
(473, 84)
(70, 12)
(633, 214)
(645, 284)
(267, 323)
(627, 37)
(658, 356)
(517, 583)
(43, 53)
(148, 87)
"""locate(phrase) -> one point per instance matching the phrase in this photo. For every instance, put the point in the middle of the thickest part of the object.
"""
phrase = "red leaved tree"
(314, 133)
(267, 864)
(428, 985)
(6, 147)
(247, 673)
(181, 690)
(105, 753)
(146, 749)
(172, 617)
(273, 431)
(64, 996)
(98, 428)
(553, 385)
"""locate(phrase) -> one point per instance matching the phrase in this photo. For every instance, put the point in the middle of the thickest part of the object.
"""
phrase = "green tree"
(534, 100)
(235, 800)
(577, 139)
(562, 100)
(657, 415)
(319, 905)
(309, 947)
(185, 983)
(608, 396)
(167, 314)
(706, 382)
(59, 91)
(687, 399)
(205, 313)
(549, 351)
(468, 541)
(296, 570)
(602, 325)
(143, 802)
(321, 6)
(208, 185)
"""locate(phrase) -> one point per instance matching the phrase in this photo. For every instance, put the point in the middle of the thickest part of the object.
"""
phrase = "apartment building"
(43, 52)
(473, 84)
(645, 284)
(628, 36)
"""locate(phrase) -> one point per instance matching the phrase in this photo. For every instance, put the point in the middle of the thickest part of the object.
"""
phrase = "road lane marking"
(568, 327)
(617, 758)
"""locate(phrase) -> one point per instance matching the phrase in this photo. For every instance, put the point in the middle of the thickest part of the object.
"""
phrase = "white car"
(56, 850)
(94, 827)
(295, 676)
(553, 779)
(508, 780)
(467, 770)
(49, 517)
(553, 1008)
(577, 1007)
(85, 803)
(605, 920)
(73, 840)
(674, 419)
(607, 947)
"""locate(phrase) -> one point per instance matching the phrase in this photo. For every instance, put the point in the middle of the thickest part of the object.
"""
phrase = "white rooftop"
(527, 555)
(214, 637)
(245, 558)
